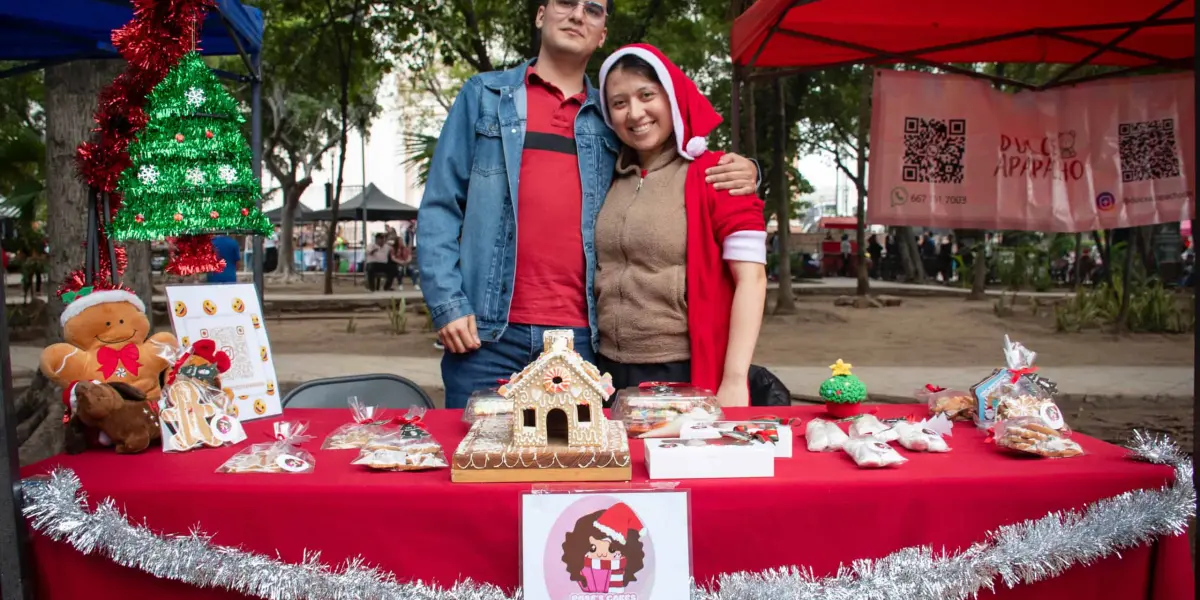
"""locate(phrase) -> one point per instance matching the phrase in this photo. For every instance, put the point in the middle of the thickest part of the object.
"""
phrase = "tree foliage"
(22, 149)
(301, 87)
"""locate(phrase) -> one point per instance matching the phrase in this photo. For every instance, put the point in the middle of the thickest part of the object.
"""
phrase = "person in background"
(376, 262)
(876, 252)
(946, 259)
(847, 249)
(521, 168)
(271, 251)
(399, 263)
(227, 249)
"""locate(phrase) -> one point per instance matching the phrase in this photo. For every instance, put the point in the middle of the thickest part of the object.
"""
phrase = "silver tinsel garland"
(1025, 552)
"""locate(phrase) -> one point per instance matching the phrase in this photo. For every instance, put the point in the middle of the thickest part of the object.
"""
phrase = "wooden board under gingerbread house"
(557, 431)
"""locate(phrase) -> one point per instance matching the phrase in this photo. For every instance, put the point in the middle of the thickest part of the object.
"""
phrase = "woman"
(680, 279)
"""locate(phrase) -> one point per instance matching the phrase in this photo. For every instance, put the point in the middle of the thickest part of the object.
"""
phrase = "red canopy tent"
(814, 34)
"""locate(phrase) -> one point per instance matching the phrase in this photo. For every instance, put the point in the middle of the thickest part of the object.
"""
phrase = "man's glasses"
(594, 10)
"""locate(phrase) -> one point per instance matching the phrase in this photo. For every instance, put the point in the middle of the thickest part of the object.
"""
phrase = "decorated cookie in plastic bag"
(824, 436)
(870, 453)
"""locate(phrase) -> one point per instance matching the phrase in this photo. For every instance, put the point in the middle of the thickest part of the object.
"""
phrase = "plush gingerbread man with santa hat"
(107, 340)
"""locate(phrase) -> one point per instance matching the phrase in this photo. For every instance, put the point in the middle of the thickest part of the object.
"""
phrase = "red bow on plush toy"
(111, 359)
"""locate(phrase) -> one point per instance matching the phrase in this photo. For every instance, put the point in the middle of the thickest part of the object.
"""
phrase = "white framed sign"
(230, 315)
(618, 545)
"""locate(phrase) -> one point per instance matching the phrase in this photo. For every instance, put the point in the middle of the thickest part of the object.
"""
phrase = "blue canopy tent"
(44, 33)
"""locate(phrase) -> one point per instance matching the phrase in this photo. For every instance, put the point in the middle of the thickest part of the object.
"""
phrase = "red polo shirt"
(550, 287)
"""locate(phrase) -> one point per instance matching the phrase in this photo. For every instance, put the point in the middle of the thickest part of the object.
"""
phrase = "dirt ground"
(921, 332)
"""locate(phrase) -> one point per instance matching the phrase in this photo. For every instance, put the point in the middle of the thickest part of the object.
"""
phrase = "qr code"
(933, 150)
(1148, 150)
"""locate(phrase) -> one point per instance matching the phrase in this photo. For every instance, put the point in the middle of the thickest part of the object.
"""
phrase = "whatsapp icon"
(899, 196)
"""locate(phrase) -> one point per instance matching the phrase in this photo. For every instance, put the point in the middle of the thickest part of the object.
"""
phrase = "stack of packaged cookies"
(284, 455)
(410, 447)
(1032, 435)
(1017, 406)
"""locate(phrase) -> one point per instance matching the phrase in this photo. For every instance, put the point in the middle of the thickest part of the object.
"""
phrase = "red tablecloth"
(819, 510)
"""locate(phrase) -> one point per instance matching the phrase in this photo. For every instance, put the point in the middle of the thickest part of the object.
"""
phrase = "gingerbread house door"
(558, 427)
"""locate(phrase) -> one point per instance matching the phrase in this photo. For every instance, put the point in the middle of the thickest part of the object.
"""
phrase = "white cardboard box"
(719, 458)
(712, 430)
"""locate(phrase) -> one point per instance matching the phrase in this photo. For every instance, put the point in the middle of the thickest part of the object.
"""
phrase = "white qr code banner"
(949, 151)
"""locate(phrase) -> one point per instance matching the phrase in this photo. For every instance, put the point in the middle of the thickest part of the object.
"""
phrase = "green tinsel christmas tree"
(191, 165)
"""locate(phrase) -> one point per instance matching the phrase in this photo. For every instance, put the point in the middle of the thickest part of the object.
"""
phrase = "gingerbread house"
(559, 398)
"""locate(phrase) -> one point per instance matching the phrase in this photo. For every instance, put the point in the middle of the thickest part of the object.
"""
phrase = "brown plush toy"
(106, 341)
(121, 412)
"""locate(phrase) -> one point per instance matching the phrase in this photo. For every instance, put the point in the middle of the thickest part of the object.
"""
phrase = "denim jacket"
(467, 225)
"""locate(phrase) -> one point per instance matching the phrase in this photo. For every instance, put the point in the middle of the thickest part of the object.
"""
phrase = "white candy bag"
(870, 425)
(870, 453)
(824, 436)
(918, 438)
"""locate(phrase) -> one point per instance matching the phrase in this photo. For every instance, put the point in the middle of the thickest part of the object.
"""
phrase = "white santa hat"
(618, 521)
(693, 115)
(83, 301)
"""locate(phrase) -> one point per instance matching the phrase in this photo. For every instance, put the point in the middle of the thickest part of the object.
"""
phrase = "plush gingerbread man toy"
(106, 341)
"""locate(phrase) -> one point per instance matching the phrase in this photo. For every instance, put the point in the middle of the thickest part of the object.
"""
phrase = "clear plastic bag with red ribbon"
(367, 423)
(408, 447)
(957, 405)
(283, 455)
(1016, 391)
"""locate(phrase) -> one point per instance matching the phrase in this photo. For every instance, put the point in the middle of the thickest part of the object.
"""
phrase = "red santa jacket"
(712, 215)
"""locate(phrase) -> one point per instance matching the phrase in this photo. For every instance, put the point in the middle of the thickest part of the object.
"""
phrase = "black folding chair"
(376, 389)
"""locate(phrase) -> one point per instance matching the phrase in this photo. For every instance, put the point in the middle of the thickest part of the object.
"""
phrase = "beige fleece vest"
(641, 271)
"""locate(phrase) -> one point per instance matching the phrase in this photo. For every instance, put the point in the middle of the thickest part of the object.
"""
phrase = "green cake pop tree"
(843, 393)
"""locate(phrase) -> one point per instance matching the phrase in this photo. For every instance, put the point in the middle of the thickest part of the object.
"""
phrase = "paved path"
(831, 286)
(885, 381)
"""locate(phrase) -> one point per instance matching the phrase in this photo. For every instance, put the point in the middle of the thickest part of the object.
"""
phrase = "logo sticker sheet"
(231, 316)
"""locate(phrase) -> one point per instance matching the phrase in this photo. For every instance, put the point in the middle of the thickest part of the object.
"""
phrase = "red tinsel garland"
(193, 255)
(159, 34)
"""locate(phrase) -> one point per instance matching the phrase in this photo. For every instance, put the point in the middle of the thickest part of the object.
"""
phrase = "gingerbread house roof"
(587, 372)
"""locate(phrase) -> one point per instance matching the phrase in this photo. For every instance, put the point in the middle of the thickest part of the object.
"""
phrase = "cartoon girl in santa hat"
(604, 551)
(680, 275)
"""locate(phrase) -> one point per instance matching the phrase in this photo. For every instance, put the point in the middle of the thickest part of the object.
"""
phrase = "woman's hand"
(734, 392)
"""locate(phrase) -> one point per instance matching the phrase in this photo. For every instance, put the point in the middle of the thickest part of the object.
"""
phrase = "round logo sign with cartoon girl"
(598, 549)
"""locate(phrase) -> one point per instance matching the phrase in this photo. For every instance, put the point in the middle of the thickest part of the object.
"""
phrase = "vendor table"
(819, 510)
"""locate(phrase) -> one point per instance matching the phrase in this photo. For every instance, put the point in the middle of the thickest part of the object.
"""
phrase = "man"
(376, 264)
(521, 168)
(228, 249)
(271, 251)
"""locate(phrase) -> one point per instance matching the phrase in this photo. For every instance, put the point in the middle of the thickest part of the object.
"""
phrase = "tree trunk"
(860, 183)
(1075, 273)
(914, 269)
(1122, 324)
(750, 137)
(786, 303)
(71, 92)
(287, 228)
(137, 276)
